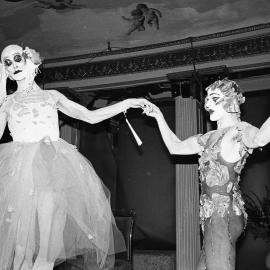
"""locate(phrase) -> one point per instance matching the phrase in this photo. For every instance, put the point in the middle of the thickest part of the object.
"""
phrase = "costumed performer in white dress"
(53, 205)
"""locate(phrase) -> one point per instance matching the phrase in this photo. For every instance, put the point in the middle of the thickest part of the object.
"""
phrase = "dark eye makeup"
(216, 99)
(8, 62)
(16, 58)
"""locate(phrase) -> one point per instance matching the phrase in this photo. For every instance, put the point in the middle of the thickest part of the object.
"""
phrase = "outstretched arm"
(254, 137)
(78, 111)
(3, 96)
(175, 146)
(3, 83)
(263, 135)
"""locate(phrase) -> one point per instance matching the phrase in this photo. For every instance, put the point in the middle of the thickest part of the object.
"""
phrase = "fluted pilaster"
(188, 122)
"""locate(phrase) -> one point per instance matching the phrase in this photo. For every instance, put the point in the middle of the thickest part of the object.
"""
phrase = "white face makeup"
(14, 62)
(214, 104)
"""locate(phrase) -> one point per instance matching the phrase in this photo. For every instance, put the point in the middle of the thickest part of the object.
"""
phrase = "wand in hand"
(138, 140)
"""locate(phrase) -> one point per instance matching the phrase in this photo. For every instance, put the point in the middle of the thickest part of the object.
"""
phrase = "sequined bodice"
(33, 121)
(219, 178)
(218, 175)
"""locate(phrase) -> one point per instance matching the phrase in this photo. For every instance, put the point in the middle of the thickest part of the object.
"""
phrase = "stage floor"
(154, 260)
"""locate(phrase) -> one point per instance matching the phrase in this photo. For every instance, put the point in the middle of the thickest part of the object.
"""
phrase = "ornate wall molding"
(200, 54)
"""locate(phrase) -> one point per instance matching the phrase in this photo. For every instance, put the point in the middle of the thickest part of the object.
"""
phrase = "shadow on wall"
(96, 147)
(146, 180)
(252, 253)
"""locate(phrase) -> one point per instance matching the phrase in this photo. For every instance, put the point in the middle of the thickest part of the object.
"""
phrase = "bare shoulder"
(247, 130)
(248, 133)
(55, 94)
(203, 139)
(242, 126)
(7, 104)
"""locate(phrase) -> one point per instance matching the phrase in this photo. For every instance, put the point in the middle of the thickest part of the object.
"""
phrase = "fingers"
(144, 102)
(148, 108)
(139, 103)
(151, 110)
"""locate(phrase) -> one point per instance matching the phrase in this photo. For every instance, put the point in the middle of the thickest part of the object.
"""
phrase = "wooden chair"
(125, 221)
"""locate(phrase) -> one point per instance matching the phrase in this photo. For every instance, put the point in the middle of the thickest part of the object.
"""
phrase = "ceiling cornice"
(226, 50)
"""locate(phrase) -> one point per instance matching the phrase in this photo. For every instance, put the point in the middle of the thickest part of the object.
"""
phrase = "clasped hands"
(148, 108)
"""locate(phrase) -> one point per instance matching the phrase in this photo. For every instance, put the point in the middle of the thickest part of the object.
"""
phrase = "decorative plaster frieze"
(163, 60)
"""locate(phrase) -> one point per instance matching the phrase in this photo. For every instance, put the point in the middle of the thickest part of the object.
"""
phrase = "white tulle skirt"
(82, 220)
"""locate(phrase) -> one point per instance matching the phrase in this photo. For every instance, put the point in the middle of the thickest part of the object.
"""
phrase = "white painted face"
(14, 62)
(214, 104)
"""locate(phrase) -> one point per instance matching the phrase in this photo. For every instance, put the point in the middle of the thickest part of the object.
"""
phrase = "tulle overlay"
(31, 173)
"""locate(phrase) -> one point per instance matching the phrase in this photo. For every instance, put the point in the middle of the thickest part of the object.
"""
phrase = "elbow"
(173, 147)
(92, 122)
(171, 150)
(93, 118)
(261, 141)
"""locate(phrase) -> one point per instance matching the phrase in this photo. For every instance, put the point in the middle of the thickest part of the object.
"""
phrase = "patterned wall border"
(163, 44)
(171, 59)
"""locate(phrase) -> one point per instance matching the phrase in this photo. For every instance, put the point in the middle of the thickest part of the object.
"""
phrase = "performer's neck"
(228, 121)
(26, 86)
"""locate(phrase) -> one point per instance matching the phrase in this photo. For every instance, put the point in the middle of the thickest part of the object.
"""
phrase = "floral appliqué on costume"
(219, 179)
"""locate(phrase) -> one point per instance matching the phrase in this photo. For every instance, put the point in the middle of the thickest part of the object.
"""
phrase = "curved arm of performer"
(78, 111)
(3, 94)
(254, 137)
(263, 136)
(175, 146)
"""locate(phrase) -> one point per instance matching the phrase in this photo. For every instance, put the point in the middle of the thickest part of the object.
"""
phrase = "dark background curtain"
(143, 178)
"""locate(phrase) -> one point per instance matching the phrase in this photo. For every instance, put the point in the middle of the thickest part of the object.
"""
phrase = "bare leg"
(51, 224)
(22, 259)
(57, 240)
(45, 214)
(28, 260)
(19, 257)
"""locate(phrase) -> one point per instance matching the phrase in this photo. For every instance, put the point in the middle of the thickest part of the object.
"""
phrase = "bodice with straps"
(220, 192)
(34, 120)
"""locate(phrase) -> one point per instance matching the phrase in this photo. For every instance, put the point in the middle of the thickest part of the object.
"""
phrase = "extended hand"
(151, 109)
(137, 102)
(148, 108)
